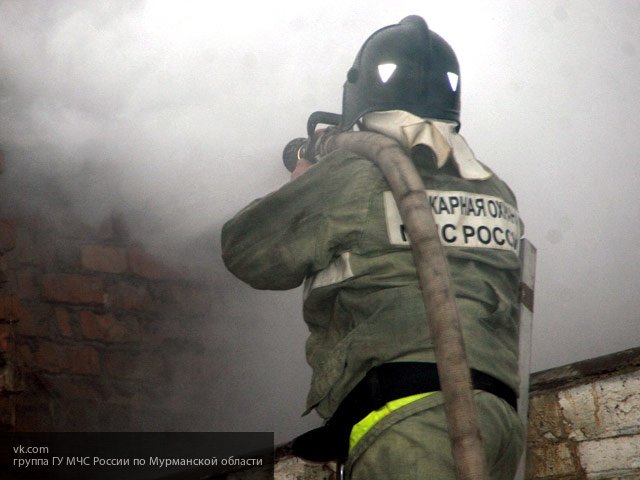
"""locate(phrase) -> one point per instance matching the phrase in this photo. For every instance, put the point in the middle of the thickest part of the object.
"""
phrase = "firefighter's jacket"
(336, 228)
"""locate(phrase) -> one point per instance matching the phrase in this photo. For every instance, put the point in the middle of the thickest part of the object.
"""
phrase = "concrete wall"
(584, 420)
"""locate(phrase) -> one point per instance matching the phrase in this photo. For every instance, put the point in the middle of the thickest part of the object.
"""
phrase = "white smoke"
(180, 110)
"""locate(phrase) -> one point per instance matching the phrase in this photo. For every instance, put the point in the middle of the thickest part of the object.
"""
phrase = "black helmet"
(403, 67)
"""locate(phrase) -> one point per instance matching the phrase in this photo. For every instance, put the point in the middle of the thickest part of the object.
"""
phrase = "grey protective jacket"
(337, 229)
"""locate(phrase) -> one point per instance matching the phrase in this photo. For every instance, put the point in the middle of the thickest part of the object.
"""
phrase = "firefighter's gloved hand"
(302, 166)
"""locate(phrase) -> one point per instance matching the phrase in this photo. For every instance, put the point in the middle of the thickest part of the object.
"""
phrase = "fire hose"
(435, 281)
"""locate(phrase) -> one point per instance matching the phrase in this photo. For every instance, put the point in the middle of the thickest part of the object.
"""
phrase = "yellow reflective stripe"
(367, 423)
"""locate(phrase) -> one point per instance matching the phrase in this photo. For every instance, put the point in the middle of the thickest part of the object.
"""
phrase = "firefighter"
(335, 227)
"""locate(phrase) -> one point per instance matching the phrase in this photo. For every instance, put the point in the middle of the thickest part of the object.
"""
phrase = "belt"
(380, 385)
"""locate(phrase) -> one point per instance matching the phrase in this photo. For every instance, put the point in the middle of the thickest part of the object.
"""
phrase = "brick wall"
(9, 384)
(104, 329)
(584, 420)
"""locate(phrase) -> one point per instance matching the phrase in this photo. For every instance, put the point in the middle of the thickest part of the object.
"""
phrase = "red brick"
(4, 271)
(55, 358)
(107, 328)
(5, 337)
(9, 308)
(7, 235)
(26, 284)
(127, 296)
(149, 266)
(60, 255)
(33, 320)
(103, 258)
(63, 319)
(83, 361)
(24, 357)
(73, 289)
(44, 356)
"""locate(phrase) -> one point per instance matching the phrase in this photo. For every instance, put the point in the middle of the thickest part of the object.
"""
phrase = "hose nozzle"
(293, 152)
(297, 148)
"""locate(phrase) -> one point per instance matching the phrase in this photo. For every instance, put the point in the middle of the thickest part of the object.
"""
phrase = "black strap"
(380, 385)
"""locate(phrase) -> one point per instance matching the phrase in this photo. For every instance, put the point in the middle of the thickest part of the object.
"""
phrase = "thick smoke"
(178, 111)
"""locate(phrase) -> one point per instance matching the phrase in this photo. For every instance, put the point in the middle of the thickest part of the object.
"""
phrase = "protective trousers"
(412, 443)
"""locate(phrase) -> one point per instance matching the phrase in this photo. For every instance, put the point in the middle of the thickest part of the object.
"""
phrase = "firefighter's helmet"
(403, 67)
